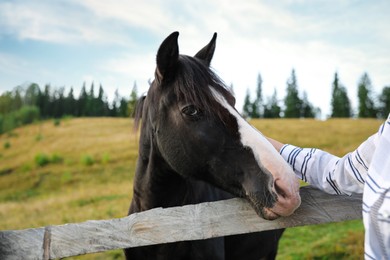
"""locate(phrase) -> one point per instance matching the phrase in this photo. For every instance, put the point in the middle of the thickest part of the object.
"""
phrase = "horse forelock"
(192, 84)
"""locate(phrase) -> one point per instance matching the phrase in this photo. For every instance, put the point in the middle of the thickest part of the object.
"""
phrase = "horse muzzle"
(278, 201)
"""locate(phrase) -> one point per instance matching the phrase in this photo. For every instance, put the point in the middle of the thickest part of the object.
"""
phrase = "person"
(365, 170)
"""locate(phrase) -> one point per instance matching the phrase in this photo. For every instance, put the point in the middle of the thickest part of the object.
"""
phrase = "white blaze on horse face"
(265, 154)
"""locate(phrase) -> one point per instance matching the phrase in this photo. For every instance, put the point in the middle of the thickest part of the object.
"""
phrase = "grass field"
(82, 169)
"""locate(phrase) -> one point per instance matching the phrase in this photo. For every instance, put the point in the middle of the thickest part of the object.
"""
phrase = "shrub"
(105, 158)
(57, 122)
(23, 116)
(42, 159)
(87, 160)
(67, 117)
(7, 145)
(1, 123)
(27, 115)
(9, 123)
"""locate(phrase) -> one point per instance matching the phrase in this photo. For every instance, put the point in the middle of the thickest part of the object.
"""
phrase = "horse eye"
(191, 111)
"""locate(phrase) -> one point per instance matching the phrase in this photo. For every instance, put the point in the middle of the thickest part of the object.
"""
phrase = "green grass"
(342, 240)
(69, 188)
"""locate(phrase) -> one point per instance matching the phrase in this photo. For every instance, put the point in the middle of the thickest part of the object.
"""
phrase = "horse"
(195, 147)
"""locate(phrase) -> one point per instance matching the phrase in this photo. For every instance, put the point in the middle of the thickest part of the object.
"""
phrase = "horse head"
(189, 119)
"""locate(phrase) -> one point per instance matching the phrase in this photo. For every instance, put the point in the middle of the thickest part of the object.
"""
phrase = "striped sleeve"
(335, 175)
(376, 200)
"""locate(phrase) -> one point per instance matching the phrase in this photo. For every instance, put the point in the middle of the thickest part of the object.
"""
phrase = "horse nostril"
(279, 190)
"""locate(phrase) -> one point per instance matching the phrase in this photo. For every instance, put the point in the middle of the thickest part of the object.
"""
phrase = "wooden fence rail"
(158, 226)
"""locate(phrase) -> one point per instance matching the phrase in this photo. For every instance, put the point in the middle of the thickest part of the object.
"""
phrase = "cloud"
(54, 21)
(112, 22)
(148, 15)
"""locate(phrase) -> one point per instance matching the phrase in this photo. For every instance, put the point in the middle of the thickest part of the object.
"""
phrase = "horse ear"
(206, 54)
(167, 57)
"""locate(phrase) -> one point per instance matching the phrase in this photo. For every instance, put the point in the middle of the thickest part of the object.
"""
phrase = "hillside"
(83, 169)
(88, 174)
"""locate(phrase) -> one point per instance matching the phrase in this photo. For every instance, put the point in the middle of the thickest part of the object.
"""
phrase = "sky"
(114, 43)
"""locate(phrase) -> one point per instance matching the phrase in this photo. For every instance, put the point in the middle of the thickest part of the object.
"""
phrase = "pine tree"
(307, 109)
(123, 107)
(58, 101)
(40, 102)
(366, 106)
(114, 112)
(91, 102)
(70, 104)
(100, 105)
(31, 95)
(46, 110)
(257, 105)
(271, 108)
(17, 102)
(6, 103)
(340, 104)
(133, 101)
(82, 101)
(384, 99)
(247, 108)
(292, 101)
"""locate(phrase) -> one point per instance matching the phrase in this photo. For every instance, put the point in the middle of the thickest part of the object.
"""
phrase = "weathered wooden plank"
(157, 226)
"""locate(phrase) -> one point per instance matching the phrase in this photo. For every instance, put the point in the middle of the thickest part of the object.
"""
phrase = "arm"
(345, 175)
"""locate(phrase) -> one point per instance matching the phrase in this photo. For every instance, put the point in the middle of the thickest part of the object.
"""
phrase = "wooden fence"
(158, 226)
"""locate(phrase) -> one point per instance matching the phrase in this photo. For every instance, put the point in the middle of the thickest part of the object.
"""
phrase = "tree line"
(26, 104)
(296, 105)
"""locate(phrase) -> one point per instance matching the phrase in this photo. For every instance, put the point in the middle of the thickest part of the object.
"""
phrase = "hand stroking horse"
(195, 147)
